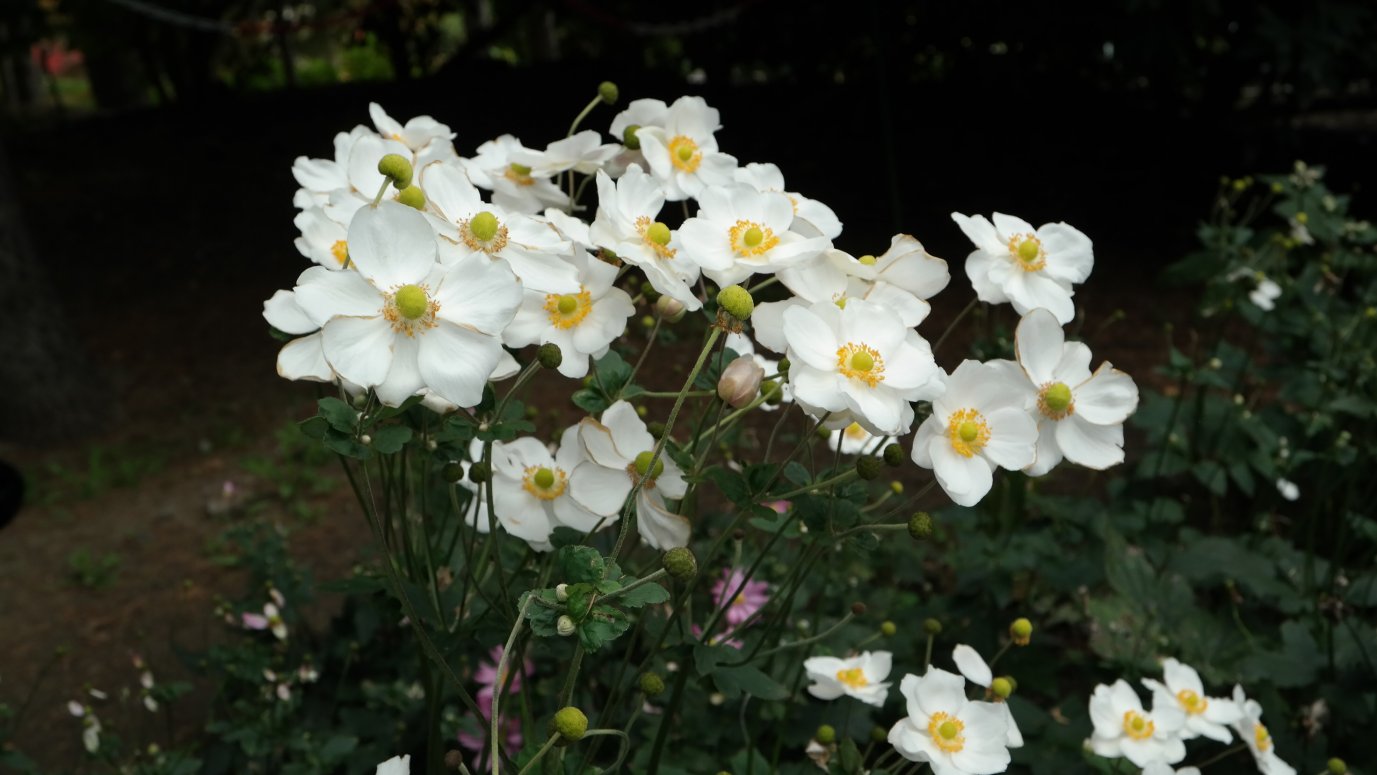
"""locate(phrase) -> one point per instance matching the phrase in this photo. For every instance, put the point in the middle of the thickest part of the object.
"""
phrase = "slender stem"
(649, 343)
(566, 695)
(624, 748)
(952, 325)
(521, 380)
(656, 576)
(806, 641)
(582, 115)
(844, 476)
(1222, 755)
(544, 749)
(501, 672)
(872, 528)
(386, 182)
(1001, 653)
(927, 654)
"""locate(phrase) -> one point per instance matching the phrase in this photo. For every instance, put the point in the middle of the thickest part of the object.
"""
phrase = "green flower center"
(947, 729)
(969, 431)
(752, 237)
(1028, 250)
(643, 465)
(862, 361)
(483, 226)
(1057, 397)
(544, 478)
(411, 301)
(658, 233)
(567, 304)
(867, 260)
(520, 169)
(685, 152)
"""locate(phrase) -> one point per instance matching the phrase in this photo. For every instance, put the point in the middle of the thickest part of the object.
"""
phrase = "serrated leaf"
(603, 625)
(390, 439)
(590, 400)
(732, 484)
(581, 564)
(748, 679)
(646, 594)
(341, 416)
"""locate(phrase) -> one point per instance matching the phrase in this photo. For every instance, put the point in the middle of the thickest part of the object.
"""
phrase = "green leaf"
(646, 594)
(590, 400)
(390, 439)
(732, 484)
(748, 679)
(338, 747)
(1297, 663)
(849, 757)
(315, 427)
(602, 626)
(1212, 475)
(581, 563)
(341, 416)
(565, 536)
(347, 446)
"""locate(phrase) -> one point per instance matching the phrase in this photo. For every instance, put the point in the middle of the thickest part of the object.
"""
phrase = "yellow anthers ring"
(1137, 727)
(684, 153)
(656, 235)
(1262, 738)
(862, 362)
(544, 483)
(749, 239)
(340, 250)
(1192, 702)
(946, 731)
(853, 677)
(967, 431)
(567, 310)
(410, 309)
(1027, 252)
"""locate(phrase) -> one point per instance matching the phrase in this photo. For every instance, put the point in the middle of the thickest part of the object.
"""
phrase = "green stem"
(501, 672)
(656, 576)
(582, 115)
(840, 478)
(544, 749)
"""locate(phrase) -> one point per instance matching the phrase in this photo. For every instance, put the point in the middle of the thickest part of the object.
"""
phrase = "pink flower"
(780, 507)
(720, 639)
(486, 676)
(749, 599)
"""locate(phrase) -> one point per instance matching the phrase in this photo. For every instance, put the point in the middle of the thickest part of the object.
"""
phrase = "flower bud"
(454, 760)
(932, 626)
(652, 685)
(826, 734)
(894, 455)
(736, 301)
(570, 723)
(561, 592)
(869, 468)
(783, 366)
(1002, 687)
(549, 355)
(858, 608)
(480, 472)
(1337, 766)
(656, 429)
(412, 197)
(740, 382)
(365, 439)
(772, 391)
(669, 309)
(452, 472)
(609, 92)
(629, 138)
(396, 168)
(1021, 630)
(888, 628)
(565, 626)
(920, 525)
(680, 563)
(896, 487)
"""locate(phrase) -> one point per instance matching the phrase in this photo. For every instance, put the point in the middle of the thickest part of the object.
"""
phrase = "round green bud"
(570, 723)
(549, 355)
(396, 168)
(608, 92)
(736, 301)
(893, 455)
(772, 391)
(648, 321)
(480, 472)
(1021, 630)
(454, 759)
(888, 628)
(483, 226)
(920, 525)
(680, 563)
(652, 685)
(452, 472)
(643, 464)
(657, 429)
(412, 197)
(1002, 687)
(1337, 766)
(1057, 397)
(629, 138)
(783, 366)
(658, 233)
(896, 487)
(869, 467)
(411, 301)
(932, 626)
(826, 734)
(879, 734)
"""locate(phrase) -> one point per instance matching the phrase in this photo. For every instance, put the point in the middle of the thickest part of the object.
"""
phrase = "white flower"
(977, 671)
(1249, 727)
(626, 225)
(619, 448)
(682, 153)
(418, 132)
(1205, 716)
(1300, 232)
(583, 153)
(852, 440)
(811, 217)
(859, 359)
(364, 180)
(862, 677)
(739, 232)
(1265, 292)
(1124, 729)
(977, 424)
(955, 735)
(530, 488)
(582, 324)
(321, 177)
(323, 239)
(1162, 768)
(397, 765)
(402, 322)
(302, 358)
(515, 186)
(90, 725)
(1031, 268)
(1288, 489)
(469, 226)
(1080, 415)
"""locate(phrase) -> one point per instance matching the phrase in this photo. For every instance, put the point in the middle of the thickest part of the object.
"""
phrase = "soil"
(165, 230)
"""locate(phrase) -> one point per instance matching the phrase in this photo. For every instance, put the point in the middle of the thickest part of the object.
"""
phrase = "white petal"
(304, 358)
(478, 293)
(392, 245)
(1089, 445)
(601, 490)
(1107, 398)
(972, 666)
(323, 294)
(359, 349)
(1038, 344)
(964, 479)
(661, 528)
(1013, 438)
(455, 362)
(810, 339)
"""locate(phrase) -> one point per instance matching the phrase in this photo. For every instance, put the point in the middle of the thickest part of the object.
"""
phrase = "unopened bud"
(571, 724)
(869, 468)
(888, 628)
(894, 455)
(783, 366)
(826, 734)
(565, 626)
(549, 355)
(454, 760)
(412, 197)
(561, 592)
(1002, 687)
(480, 472)
(452, 472)
(669, 309)
(609, 92)
(396, 168)
(920, 525)
(932, 626)
(858, 608)
(740, 382)
(1021, 630)
(680, 563)
(652, 685)
(656, 429)
(1337, 766)
(629, 138)
(878, 734)
(736, 301)
(365, 439)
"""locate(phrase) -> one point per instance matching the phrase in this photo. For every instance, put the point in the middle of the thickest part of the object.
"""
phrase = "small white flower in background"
(860, 359)
(682, 152)
(402, 322)
(1288, 489)
(90, 725)
(1265, 292)
(639, 113)
(514, 186)
(626, 225)
(1124, 729)
(323, 239)
(582, 324)
(1030, 268)
(416, 134)
(270, 619)
(974, 668)
(977, 424)
(146, 683)
(739, 232)
(619, 449)
(583, 153)
(1205, 716)
(851, 440)
(1080, 415)
(1299, 231)
(862, 677)
(811, 217)
(531, 489)
(397, 765)
(1259, 741)
(955, 735)
(1162, 768)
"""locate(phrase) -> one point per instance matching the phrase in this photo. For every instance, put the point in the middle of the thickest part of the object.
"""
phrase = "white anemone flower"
(619, 449)
(1124, 729)
(531, 489)
(402, 322)
(859, 359)
(303, 358)
(583, 324)
(1027, 267)
(416, 134)
(397, 765)
(1080, 415)
(1288, 489)
(323, 239)
(811, 217)
(1265, 291)
(626, 225)
(955, 735)
(977, 424)
(862, 677)
(1259, 741)
(682, 152)
(851, 440)
(319, 178)
(364, 180)
(739, 232)
(902, 278)
(639, 114)
(583, 153)
(90, 725)
(974, 668)
(470, 226)
(514, 186)
(1205, 716)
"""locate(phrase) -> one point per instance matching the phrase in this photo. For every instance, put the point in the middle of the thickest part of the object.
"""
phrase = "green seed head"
(680, 563)
(658, 233)
(968, 431)
(412, 197)
(452, 472)
(1337, 766)
(869, 467)
(411, 301)
(920, 525)
(609, 92)
(483, 226)
(549, 355)
(685, 152)
(888, 628)
(567, 304)
(544, 478)
(643, 464)
(652, 685)
(867, 260)
(736, 301)
(571, 724)
(480, 472)
(894, 455)
(1021, 630)
(752, 237)
(826, 734)
(932, 626)
(629, 138)
(862, 361)
(1057, 397)
(1029, 250)
(1002, 687)
(947, 729)
(520, 170)
(396, 168)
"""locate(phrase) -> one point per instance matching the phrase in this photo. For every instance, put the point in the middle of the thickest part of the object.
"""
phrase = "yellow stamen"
(853, 677)
(855, 432)
(967, 431)
(684, 153)
(340, 250)
(543, 482)
(862, 362)
(519, 174)
(749, 239)
(1027, 252)
(1137, 727)
(569, 309)
(946, 731)
(1192, 702)
(1055, 401)
(1262, 738)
